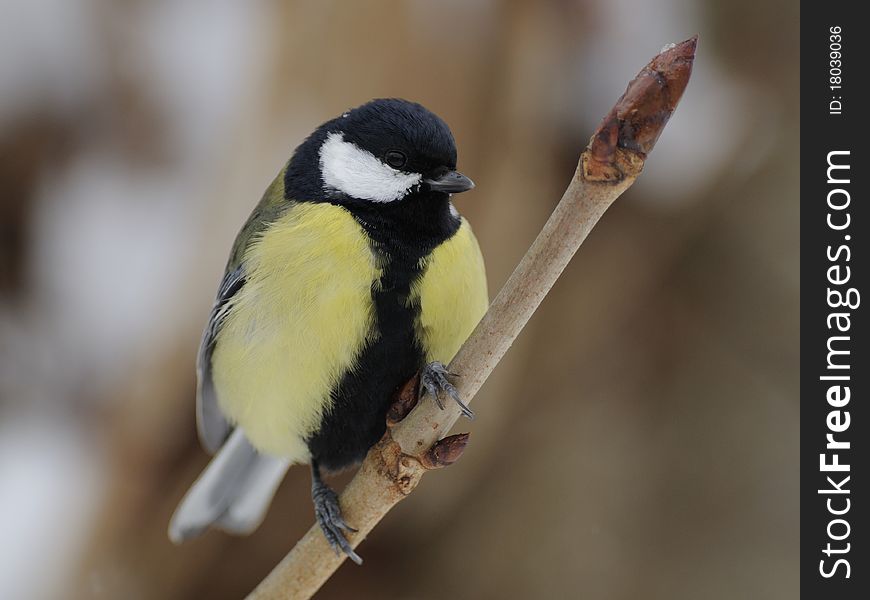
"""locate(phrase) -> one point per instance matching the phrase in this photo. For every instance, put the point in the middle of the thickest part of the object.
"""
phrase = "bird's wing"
(213, 427)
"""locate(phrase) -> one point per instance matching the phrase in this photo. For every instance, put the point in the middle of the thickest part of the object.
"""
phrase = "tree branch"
(412, 445)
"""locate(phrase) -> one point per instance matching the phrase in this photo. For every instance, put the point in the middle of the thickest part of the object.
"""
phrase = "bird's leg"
(328, 514)
(433, 379)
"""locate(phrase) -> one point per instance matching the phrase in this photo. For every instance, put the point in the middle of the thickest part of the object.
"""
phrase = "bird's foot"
(434, 380)
(328, 514)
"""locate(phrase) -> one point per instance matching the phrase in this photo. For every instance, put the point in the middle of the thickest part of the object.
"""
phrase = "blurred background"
(640, 440)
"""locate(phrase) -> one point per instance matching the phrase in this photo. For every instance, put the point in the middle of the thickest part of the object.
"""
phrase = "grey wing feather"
(213, 427)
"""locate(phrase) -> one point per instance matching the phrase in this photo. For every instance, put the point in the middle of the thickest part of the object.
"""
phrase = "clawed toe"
(332, 523)
(434, 380)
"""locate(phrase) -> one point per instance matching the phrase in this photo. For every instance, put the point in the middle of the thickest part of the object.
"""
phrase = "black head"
(384, 152)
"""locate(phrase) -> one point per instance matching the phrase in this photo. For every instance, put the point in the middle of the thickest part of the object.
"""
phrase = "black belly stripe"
(360, 403)
(402, 234)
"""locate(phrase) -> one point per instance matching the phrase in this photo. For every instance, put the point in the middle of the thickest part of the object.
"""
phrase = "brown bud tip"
(640, 115)
(404, 401)
(447, 451)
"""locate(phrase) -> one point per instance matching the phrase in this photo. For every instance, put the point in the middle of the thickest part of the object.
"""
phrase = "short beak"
(452, 182)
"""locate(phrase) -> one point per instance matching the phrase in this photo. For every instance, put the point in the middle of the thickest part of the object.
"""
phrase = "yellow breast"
(452, 295)
(297, 325)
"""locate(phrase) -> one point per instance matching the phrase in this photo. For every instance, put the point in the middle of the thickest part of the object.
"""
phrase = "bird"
(354, 273)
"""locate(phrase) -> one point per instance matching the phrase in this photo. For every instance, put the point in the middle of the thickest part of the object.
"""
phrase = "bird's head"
(383, 152)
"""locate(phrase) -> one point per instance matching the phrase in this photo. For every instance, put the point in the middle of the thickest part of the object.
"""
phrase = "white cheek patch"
(349, 169)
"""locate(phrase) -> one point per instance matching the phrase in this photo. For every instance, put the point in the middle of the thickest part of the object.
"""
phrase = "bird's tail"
(232, 493)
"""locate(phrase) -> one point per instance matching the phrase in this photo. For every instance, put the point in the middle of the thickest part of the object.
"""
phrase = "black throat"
(407, 230)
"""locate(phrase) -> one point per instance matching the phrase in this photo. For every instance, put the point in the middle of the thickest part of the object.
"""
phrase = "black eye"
(395, 159)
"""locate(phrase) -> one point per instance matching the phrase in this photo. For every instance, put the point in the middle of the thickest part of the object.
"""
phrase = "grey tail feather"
(232, 493)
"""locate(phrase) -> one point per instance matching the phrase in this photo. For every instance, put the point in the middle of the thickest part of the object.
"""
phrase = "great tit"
(353, 273)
